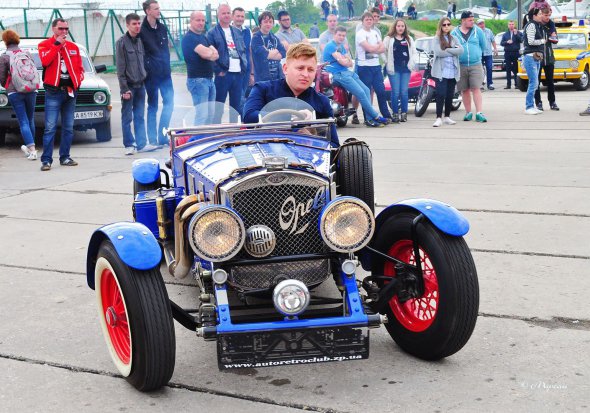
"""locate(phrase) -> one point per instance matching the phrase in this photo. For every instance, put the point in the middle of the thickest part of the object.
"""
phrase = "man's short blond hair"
(299, 50)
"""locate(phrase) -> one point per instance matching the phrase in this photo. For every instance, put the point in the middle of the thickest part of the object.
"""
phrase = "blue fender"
(146, 171)
(446, 218)
(134, 242)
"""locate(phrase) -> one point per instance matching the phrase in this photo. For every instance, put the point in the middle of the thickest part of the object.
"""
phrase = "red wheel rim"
(115, 315)
(416, 314)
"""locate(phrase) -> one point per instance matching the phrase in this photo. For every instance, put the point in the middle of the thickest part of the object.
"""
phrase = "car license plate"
(91, 114)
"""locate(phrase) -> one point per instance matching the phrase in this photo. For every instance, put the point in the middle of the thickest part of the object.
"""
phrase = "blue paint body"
(145, 171)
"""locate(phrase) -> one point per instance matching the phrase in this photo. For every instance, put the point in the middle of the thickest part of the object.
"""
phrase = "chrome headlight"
(347, 224)
(216, 233)
(100, 98)
(574, 64)
(291, 297)
(3, 100)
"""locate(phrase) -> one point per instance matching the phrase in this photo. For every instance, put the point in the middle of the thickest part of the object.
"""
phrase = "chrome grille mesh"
(266, 276)
(289, 204)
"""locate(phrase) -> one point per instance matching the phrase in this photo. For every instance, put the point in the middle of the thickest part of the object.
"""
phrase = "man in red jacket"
(62, 75)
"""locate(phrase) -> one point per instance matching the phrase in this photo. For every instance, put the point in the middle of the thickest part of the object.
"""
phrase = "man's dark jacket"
(265, 92)
(216, 37)
(155, 44)
(514, 47)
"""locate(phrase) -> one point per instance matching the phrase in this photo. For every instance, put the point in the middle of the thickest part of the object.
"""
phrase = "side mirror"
(100, 68)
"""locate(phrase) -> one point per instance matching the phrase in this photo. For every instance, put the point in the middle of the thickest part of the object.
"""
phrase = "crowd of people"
(230, 60)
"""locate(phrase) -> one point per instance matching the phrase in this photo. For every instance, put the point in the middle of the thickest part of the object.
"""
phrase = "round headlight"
(290, 297)
(216, 233)
(574, 64)
(100, 98)
(347, 224)
(3, 100)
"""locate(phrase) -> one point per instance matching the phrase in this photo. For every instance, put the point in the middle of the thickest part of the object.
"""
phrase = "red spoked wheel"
(416, 314)
(441, 321)
(136, 320)
(115, 317)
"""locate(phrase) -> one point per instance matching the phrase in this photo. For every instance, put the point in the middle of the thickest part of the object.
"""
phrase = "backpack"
(23, 72)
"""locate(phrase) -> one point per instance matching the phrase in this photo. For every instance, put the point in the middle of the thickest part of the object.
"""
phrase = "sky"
(170, 4)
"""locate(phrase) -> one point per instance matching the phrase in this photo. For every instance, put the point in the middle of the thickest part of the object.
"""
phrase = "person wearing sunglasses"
(63, 73)
(445, 70)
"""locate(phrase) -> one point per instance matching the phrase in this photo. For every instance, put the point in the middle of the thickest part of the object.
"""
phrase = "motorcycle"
(340, 99)
(426, 93)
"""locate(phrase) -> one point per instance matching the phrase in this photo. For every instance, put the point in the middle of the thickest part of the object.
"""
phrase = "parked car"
(93, 105)
(572, 58)
(431, 14)
(263, 216)
(499, 64)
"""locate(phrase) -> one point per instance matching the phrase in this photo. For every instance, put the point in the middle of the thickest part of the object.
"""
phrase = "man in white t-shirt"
(369, 45)
(232, 62)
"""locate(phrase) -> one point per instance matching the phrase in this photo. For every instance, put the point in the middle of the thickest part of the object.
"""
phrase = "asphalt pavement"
(522, 181)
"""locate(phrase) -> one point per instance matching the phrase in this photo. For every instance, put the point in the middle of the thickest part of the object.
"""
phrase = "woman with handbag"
(534, 39)
(445, 70)
(23, 103)
(400, 53)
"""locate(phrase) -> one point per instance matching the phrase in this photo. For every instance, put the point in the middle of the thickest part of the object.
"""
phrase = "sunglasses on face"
(446, 24)
(63, 28)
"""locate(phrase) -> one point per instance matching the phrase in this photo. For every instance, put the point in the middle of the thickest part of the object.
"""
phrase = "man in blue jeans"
(131, 74)
(339, 62)
(63, 73)
(232, 62)
(154, 36)
(199, 56)
(487, 57)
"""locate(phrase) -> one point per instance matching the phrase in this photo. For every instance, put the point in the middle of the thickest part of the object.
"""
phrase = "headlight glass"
(100, 98)
(574, 64)
(291, 297)
(347, 224)
(216, 233)
(3, 100)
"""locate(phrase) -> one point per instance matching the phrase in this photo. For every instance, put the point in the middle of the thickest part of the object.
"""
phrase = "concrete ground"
(522, 181)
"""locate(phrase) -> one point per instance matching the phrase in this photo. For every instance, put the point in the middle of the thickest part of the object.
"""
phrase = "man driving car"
(300, 70)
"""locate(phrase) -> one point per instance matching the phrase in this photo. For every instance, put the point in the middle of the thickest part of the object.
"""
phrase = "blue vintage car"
(267, 218)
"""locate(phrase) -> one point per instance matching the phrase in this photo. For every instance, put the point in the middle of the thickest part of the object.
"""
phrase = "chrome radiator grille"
(266, 276)
(287, 202)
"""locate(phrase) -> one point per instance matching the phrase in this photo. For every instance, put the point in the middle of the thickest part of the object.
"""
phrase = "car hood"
(93, 81)
(215, 160)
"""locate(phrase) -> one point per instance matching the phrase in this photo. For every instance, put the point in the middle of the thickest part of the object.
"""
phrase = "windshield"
(571, 41)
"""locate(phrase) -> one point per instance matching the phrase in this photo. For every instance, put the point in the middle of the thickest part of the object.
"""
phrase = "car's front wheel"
(103, 131)
(583, 81)
(136, 320)
(438, 323)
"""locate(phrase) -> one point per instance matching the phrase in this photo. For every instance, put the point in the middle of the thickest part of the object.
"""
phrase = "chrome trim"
(352, 200)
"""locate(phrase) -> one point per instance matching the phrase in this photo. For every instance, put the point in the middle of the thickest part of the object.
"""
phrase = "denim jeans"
(202, 91)
(532, 71)
(152, 87)
(372, 77)
(58, 102)
(134, 110)
(351, 82)
(24, 107)
(488, 62)
(399, 91)
(230, 83)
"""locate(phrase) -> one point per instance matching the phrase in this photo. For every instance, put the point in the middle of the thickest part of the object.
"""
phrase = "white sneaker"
(531, 111)
(25, 150)
(32, 156)
(149, 148)
(449, 121)
(437, 123)
(130, 150)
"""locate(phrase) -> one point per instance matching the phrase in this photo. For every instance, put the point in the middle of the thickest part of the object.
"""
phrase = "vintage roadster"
(274, 224)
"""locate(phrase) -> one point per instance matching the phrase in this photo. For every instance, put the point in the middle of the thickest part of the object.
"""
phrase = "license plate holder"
(89, 114)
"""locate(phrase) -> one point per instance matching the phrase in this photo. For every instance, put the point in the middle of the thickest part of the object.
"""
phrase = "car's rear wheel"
(103, 131)
(583, 81)
(439, 322)
(136, 320)
(522, 84)
(341, 121)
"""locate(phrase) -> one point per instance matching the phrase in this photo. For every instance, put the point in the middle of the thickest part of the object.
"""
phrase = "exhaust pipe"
(180, 263)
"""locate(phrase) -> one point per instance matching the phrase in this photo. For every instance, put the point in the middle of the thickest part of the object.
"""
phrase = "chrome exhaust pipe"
(180, 264)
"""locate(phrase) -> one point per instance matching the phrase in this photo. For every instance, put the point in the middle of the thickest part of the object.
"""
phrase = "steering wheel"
(292, 112)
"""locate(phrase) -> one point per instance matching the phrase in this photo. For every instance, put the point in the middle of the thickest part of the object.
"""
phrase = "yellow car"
(572, 57)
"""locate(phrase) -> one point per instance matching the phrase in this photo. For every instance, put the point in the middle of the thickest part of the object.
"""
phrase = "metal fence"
(98, 29)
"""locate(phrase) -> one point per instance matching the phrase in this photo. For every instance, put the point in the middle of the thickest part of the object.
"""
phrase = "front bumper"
(86, 117)
(556, 75)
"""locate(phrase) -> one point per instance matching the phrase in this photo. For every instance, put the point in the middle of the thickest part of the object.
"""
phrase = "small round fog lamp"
(219, 276)
(290, 297)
